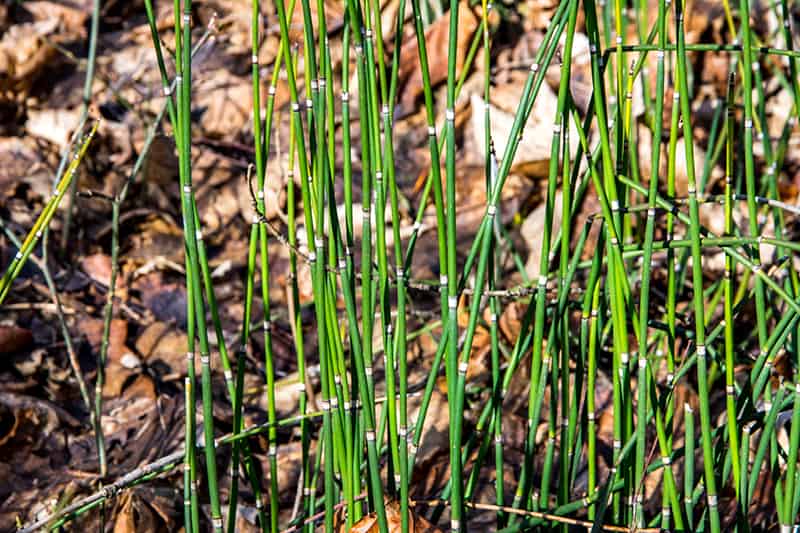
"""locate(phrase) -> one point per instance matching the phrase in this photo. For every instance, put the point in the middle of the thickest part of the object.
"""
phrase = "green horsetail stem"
(651, 344)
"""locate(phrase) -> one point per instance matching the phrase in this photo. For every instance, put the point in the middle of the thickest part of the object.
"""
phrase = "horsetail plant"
(614, 315)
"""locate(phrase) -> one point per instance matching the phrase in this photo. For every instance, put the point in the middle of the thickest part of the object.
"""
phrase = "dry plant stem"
(565, 520)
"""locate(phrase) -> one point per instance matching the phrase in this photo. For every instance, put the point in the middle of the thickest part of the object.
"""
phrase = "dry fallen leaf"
(72, 19)
(369, 524)
(531, 232)
(53, 125)
(14, 339)
(135, 515)
(160, 342)
(92, 329)
(226, 103)
(161, 164)
(436, 38)
(26, 54)
(98, 267)
(534, 148)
